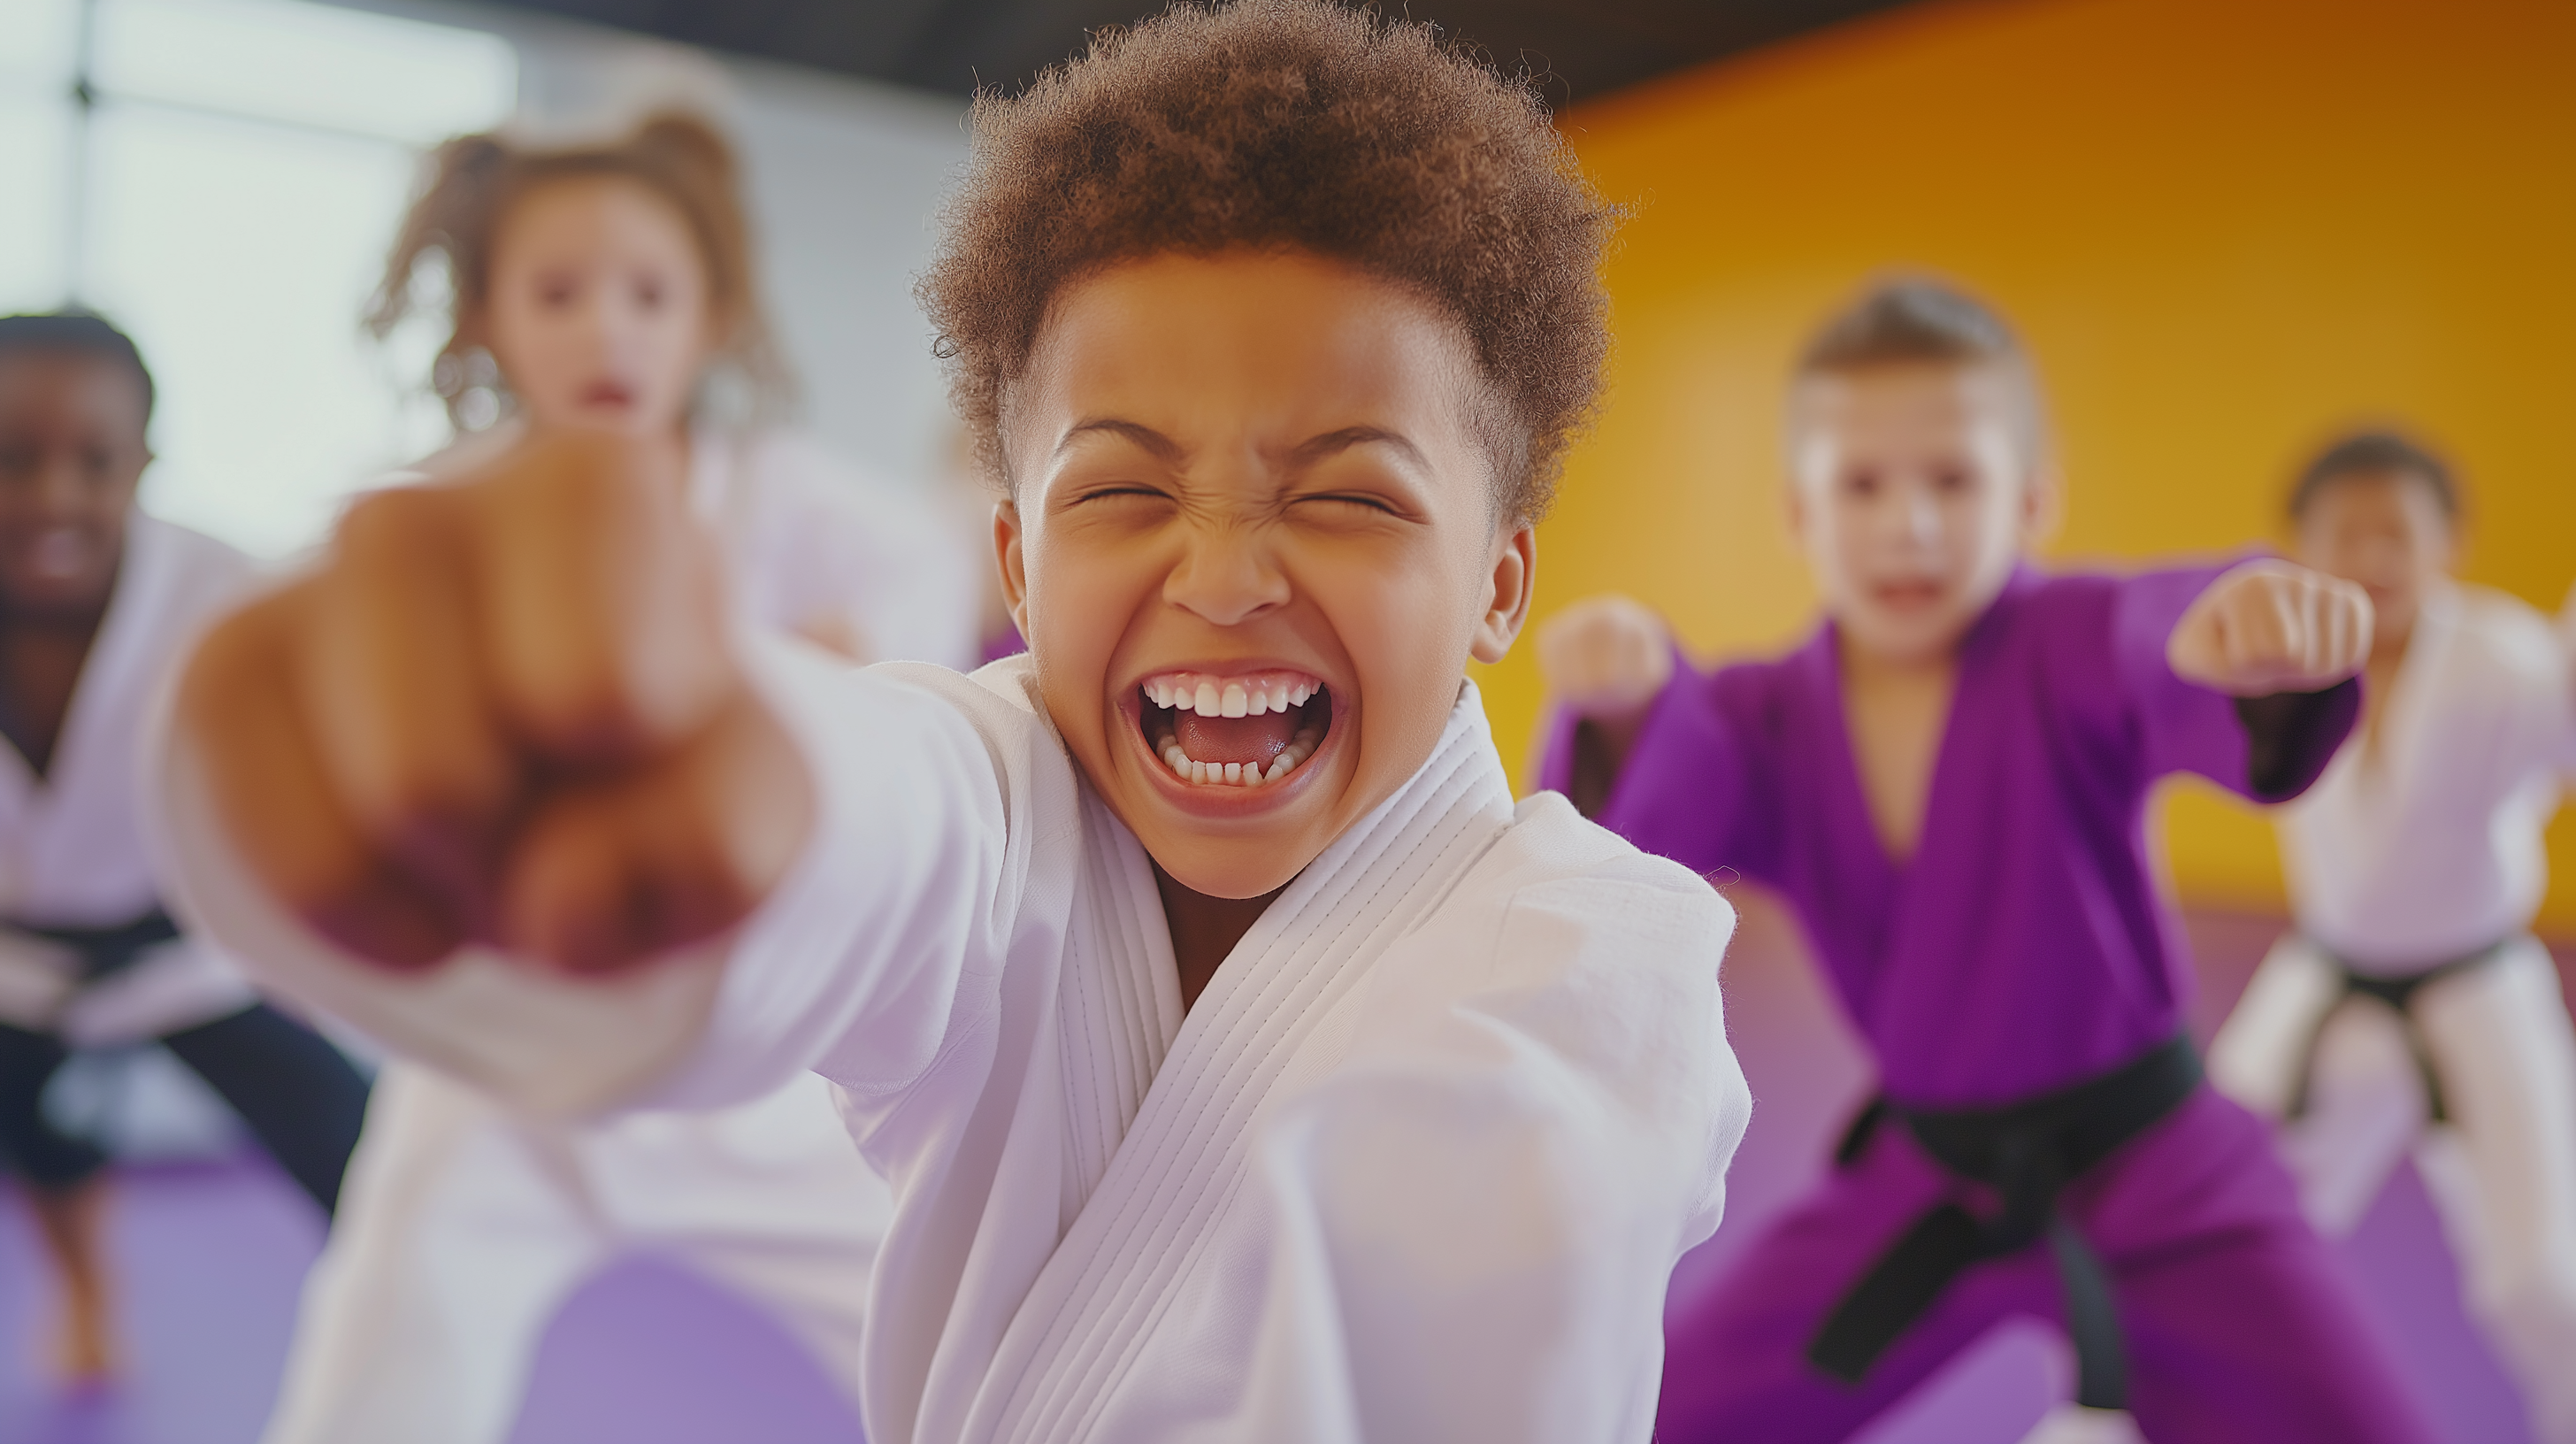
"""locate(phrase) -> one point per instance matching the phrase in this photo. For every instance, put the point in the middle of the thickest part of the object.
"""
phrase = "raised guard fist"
(1606, 657)
(2268, 627)
(505, 710)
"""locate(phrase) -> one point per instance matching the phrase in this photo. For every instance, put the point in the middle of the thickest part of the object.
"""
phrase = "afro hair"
(1286, 124)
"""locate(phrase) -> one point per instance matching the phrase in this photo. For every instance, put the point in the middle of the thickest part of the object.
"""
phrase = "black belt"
(2398, 994)
(2026, 1152)
(103, 950)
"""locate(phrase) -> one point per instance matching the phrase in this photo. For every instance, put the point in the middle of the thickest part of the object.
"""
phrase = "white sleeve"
(858, 549)
(853, 954)
(909, 888)
(1560, 1138)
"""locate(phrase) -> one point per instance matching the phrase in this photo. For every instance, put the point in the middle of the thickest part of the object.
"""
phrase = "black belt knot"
(103, 950)
(2399, 994)
(2027, 1153)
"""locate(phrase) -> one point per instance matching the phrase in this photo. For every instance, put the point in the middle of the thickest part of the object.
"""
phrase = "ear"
(2043, 505)
(1514, 578)
(1014, 565)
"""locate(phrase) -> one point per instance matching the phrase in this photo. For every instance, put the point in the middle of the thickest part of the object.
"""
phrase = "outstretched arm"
(498, 783)
(2567, 655)
(503, 711)
(2287, 644)
(2268, 627)
(1606, 659)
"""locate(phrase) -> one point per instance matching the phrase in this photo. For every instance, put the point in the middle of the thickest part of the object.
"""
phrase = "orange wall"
(2224, 228)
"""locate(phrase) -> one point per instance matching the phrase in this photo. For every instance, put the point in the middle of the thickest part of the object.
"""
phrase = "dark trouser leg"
(2241, 1327)
(298, 1094)
(1735, 1360)
(46, 1157)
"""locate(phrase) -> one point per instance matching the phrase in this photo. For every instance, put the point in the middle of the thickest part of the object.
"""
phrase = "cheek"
(1406, 627)
(1081, 593)
(1845, 532)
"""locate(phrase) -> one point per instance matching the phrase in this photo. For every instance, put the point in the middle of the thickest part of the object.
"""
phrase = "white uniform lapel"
(1121, 1000)
(2345, 815)
(2410, 718)
(1268, 1017)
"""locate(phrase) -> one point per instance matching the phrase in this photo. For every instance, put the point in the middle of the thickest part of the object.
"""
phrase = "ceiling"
(1584, 48)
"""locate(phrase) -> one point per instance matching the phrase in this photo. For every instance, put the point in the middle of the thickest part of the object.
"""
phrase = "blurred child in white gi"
(2412, 1009)
(97, 598)
(611, 287)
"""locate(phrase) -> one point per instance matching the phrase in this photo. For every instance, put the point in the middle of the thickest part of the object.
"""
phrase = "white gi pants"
(2502, 1174)
(465, 1226)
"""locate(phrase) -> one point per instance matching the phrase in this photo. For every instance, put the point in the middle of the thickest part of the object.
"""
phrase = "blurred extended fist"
(504, 710)
(2267, 627)
(1606, 657)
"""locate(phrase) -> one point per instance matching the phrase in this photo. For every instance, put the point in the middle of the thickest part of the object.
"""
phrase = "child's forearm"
(898, 780)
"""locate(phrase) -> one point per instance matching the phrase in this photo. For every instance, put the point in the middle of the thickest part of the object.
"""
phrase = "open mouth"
(1243, 730)
(59, 552)
(1908, 595)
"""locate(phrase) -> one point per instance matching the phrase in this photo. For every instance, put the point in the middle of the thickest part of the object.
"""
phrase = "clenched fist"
(1605, 657)
(505, 710)
(2267, 627)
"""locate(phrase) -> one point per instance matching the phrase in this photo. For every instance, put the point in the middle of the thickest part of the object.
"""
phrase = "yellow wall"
(2224, 228)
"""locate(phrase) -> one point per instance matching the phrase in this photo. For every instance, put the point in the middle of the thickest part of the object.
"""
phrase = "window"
(226, 195)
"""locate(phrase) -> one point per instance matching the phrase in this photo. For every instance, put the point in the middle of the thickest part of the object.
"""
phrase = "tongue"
(1235, 739)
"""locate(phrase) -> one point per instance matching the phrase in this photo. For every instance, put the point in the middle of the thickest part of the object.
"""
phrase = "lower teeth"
(1240, 774)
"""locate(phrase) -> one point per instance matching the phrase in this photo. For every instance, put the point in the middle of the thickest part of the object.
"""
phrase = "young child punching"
(1947, 783)
(2412, 992)
(611, 286)
(1246, 1064)
(98, 601)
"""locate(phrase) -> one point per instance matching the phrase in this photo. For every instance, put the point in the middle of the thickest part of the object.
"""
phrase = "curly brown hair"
(1287, 124)
(469, 183)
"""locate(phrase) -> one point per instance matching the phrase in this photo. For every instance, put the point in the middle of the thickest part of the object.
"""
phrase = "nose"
(1918, 515)
(1227, 575)
(60, 487)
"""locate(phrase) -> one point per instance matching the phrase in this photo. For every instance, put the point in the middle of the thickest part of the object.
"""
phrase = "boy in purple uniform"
(1948, 783)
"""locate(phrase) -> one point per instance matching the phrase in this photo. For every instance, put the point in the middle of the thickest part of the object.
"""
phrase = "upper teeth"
(1244, 696)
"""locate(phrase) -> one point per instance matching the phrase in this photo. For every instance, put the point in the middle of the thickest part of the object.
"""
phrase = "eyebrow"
(1164, 448)
(1331, 442)
(1306, 453)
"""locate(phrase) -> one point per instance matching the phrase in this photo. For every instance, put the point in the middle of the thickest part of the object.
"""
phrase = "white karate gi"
(1416, 1165)
(467, 1222)
(71, 843)
(2421, 843)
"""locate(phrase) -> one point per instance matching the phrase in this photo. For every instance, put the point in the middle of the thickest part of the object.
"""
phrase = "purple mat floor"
(209, 1257)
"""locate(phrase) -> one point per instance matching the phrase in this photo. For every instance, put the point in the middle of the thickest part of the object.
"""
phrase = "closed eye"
(1364, 500)
(1116, 497)
(1102, 493)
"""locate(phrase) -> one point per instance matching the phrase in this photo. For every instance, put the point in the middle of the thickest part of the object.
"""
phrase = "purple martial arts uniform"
(2021, 951)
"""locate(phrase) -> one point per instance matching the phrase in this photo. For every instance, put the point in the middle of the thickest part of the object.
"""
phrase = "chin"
(1911, 637)
(56, 599)
(1231, 867)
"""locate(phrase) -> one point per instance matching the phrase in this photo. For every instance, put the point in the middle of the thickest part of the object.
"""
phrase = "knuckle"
(387, 522)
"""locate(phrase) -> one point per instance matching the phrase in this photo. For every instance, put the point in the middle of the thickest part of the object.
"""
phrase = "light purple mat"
(210, 1257)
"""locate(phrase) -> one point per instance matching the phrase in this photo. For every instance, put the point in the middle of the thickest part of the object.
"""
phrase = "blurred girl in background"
(611, 287)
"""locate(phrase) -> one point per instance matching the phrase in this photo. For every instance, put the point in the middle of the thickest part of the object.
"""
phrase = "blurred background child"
(2412, 1009)
(610, 287)
(1948, 782)
(96, 599)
